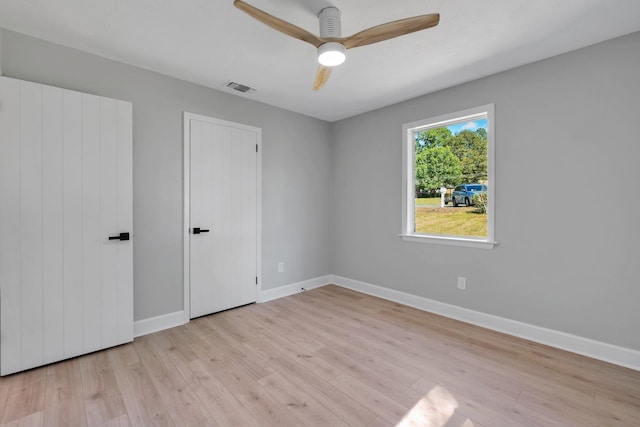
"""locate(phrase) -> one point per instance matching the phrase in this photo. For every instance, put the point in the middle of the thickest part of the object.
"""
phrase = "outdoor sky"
(472, 125)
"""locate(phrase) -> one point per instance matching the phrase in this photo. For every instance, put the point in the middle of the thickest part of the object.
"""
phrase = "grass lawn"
(460, 221)
(431, 201)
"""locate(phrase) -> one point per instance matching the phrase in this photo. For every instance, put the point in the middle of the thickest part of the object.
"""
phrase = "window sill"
(447, 240)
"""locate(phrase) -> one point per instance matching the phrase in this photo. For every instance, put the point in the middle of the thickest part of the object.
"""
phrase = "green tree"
(434, 137)
(444, 159)
(471, 149)
(436, 167)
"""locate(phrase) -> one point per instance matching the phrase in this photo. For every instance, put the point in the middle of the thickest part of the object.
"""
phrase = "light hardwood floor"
(326, 357)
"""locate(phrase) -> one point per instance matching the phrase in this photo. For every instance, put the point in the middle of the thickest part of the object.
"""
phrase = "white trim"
(178, 318)
(186, 214)
(159, 323)
(587, 347)
(186, 156)
(596, 349)
(448, 240)
(259, 214)
(292, 289)
(408, 188)
(491, 171)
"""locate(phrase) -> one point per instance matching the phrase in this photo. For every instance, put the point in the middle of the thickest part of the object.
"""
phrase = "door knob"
(197, 230)
(121, 236)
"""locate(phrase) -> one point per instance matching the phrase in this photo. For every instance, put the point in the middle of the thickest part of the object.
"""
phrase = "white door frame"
(186, 247)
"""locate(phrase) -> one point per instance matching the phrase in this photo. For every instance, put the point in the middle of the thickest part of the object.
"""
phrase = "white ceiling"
(210, 42)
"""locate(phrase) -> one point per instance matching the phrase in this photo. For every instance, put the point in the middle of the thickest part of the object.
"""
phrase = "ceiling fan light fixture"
(331, 54)
(332, 47)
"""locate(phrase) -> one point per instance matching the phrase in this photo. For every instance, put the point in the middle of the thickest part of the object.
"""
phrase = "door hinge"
(256, 280)
(256, 148)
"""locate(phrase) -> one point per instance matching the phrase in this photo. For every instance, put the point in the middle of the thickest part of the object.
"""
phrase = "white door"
(65, 188)
(224, 220)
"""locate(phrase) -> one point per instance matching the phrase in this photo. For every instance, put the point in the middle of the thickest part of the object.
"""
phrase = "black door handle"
(197, 230)
(121, 236)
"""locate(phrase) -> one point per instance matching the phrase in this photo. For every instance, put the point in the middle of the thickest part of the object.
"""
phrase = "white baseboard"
(171, 320)
(596, 349)
(587, 347)
(159, 323)
(292, 289)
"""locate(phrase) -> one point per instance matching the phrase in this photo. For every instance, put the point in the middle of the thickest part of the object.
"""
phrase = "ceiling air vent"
(240, 87)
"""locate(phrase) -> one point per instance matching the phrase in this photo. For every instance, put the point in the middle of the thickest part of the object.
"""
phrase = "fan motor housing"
(330, 25)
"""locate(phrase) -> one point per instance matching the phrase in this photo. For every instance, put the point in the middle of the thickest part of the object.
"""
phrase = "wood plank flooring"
(326, 357)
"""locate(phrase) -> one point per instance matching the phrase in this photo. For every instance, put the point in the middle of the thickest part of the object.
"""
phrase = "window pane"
(451, 179)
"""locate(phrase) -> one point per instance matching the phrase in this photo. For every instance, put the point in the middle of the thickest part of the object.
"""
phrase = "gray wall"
(296, 166)
(566, 172)
(567, 199)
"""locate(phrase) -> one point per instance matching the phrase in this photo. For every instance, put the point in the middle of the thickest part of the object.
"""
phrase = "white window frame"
(408, 177)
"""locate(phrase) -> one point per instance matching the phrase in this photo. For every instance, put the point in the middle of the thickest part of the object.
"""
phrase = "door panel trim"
(186, 156)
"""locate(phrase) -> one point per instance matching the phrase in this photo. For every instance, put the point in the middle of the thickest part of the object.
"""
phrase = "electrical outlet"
(462, 283)
(281, 267)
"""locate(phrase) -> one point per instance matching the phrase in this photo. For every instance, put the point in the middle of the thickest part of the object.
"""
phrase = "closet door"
(66, 272)
(224, 218)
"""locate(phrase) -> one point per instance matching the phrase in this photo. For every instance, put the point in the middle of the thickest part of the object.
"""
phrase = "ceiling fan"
(331, 45)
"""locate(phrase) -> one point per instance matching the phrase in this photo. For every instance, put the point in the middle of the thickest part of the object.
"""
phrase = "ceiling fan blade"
(279, 24)
(322, 75)
(390, 30)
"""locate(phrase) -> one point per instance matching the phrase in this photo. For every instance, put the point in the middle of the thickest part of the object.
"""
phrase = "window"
(448, 182)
